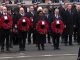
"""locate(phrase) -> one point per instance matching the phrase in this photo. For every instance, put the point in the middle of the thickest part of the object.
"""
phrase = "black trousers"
(75, 34)
(78, 35)
(63, 36)
(40, 46)
(55, 37)
(14, 38)
(0, 37)
(49, 40)
(5, 36)
(68, 34)
(78, 54)
(22, 39)
(40, 40)
(66, 40)
(43, 1)
(34, 36)
(29, 36)
(78, 39)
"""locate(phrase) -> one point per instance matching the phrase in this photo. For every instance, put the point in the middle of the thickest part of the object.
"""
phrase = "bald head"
(1, 7)
(21, 10)
(56, 11)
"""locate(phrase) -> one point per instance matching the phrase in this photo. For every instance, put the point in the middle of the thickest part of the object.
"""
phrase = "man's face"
(69, 7)
(19, 6)
(78, 7)
(4, 9)
(45, 10)
(21, 10)
(56, 11)
(35, 5)
(66, 5)
(31, 8)
(51, 7)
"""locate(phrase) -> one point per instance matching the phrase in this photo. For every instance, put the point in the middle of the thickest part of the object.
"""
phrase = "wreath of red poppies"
(7, 25)
(27, 25)
(43, 30)
(55, 29)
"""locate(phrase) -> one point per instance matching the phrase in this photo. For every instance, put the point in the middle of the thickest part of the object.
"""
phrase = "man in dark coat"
(46, 13)
(30, 15)
(78, 24)
(74, 10)
(6, 26)
(63, 14)
(22, 35)
(55, 36)
(14, 31)
(68, 25)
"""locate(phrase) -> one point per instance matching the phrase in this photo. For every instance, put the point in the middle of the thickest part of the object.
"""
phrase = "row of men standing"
(68, 14)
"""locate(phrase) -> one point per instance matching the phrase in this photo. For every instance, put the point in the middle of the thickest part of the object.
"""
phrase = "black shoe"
(11, 46)
(70, 44)
(8, 50)
(66, 44)
(78, 43)
(58, 48)
(39, 49)
(29, 43)
(43, 49)
(55, 49)
(23, 49)
(49, 42)
(2, 50)
(20, 49)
